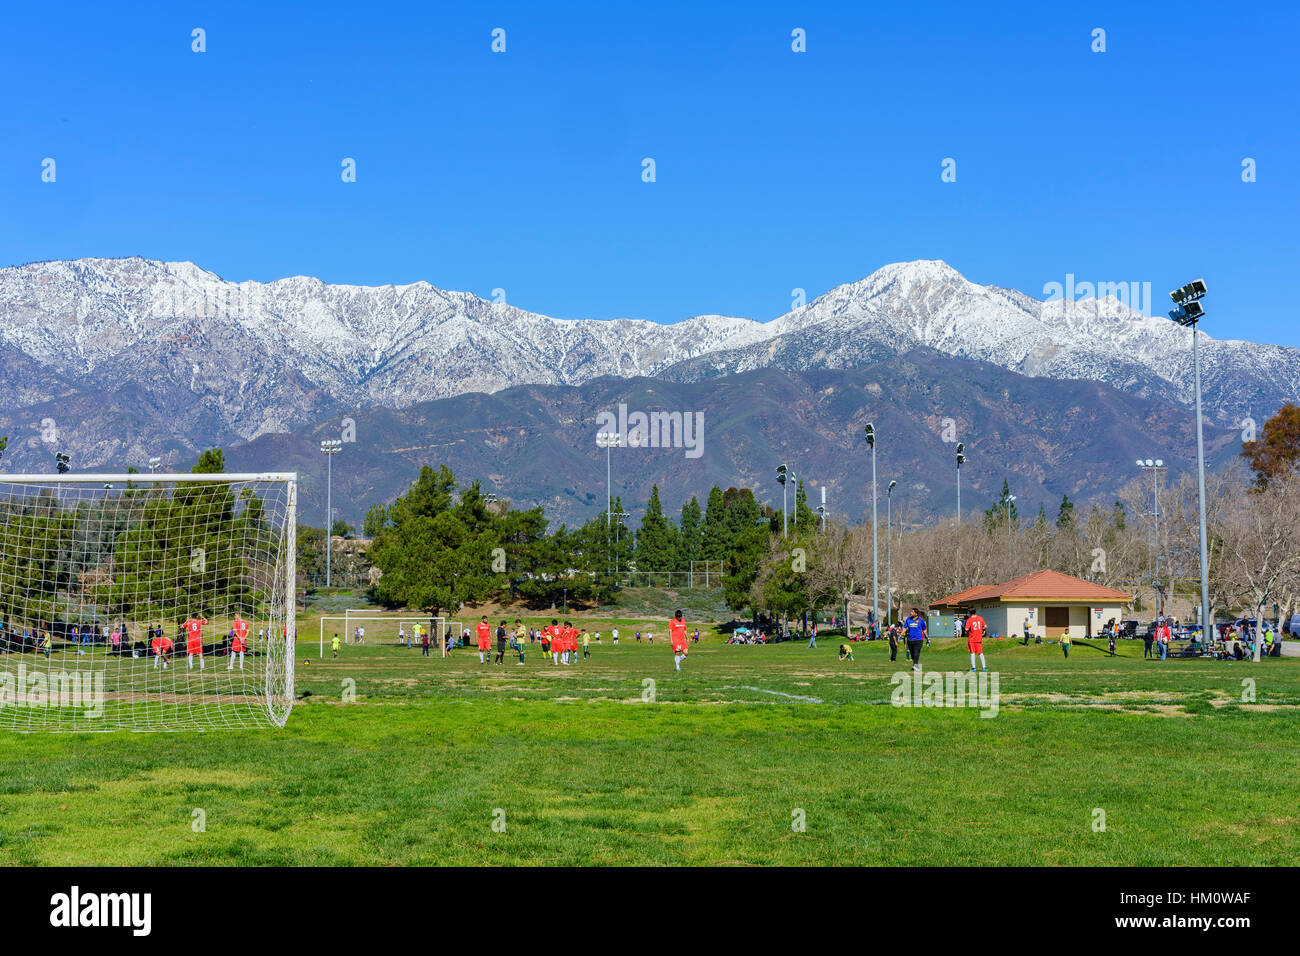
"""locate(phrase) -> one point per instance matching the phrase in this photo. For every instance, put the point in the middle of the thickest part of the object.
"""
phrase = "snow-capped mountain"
(928, 303)
(133, 355)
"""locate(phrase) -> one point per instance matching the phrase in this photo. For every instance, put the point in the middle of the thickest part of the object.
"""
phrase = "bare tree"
(1259, 560)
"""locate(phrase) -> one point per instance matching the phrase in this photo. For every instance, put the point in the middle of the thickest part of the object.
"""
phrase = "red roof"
(1036, 586)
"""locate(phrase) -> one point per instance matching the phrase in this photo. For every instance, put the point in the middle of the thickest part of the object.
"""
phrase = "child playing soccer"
(677, 637)
(846, 652)
(975, 627)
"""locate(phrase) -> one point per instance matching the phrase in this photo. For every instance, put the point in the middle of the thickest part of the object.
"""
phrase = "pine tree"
(655, 549)
(690, 531)
(805, 519)
(1065, 514)
(713, 536)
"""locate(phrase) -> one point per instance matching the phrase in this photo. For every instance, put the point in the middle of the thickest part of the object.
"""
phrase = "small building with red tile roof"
(1047, 604)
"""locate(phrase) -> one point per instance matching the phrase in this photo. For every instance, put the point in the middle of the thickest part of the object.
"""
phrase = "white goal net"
(146, 602)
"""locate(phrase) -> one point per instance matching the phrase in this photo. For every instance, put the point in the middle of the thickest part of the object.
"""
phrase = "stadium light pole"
(784, 475)
(61, 461)
(1155, 467)
(154, 462)
(1188, 314)
(621, 516)
(961, 460)
(330, 447)
(889, 554)
(1010, 500)
(875, 551)
(608, 440)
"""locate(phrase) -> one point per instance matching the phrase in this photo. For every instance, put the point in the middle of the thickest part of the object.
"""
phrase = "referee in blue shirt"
(916, 635)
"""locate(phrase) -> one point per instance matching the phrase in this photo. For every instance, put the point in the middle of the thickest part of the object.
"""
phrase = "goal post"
(147, 602)
(349, 620)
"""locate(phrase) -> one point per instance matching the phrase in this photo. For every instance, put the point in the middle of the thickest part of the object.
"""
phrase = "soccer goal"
(382, 628)
(147, 602)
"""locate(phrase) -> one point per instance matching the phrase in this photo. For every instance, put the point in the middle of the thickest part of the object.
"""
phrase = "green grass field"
(574, 766)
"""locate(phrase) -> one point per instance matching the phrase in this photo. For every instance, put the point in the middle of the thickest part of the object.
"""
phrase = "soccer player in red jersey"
(194, 639)
(161, 646)
(570, 643)
(238, 642)
(553, 634)
(975, 628)
(677, 637)
(484, 630)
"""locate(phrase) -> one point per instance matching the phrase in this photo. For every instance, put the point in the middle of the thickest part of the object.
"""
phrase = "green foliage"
(1065, 514)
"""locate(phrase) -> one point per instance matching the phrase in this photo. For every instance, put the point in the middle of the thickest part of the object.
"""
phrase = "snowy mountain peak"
(270, 355)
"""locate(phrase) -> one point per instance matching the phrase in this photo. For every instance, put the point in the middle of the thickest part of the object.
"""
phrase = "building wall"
(1008, 620)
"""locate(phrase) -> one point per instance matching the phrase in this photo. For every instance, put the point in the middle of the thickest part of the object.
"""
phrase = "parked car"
(1292, 626)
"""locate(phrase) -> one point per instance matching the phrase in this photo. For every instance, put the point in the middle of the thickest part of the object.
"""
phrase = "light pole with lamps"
(784, 475)
(330, 447)
(621, 516)
(875, 552)
(1010, 500)
(889, 554)
(1155, 467)
(154, 462)
(608, 440)
(961, 460)
(1189, 314)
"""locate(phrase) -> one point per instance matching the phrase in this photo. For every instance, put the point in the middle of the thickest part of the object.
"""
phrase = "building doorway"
(1056, 621)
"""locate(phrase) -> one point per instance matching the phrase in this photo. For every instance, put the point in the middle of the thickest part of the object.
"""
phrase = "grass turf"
(574, 766)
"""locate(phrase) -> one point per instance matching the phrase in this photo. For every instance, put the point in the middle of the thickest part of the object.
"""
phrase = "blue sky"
(775, 170)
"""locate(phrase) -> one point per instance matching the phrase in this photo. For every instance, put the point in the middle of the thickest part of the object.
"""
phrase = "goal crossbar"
(151, 477)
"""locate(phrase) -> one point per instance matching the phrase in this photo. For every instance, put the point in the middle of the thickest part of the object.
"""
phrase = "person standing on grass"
(194, 639)
(695, 637)
(1162, 638)
(812, 640)
(975, 626)
(502, 636)
(238, 642)
(521, 640)
(334, 645)
(544, 635)
(1028, 625)
(1065, 644)
(917, 632)
(614, 633)
(484, 640)
(1147, 640)
(1110, 641)
(677, 637)
(893, 642)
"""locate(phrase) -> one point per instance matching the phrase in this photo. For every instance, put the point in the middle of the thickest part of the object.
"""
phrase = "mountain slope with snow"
(130, 355)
